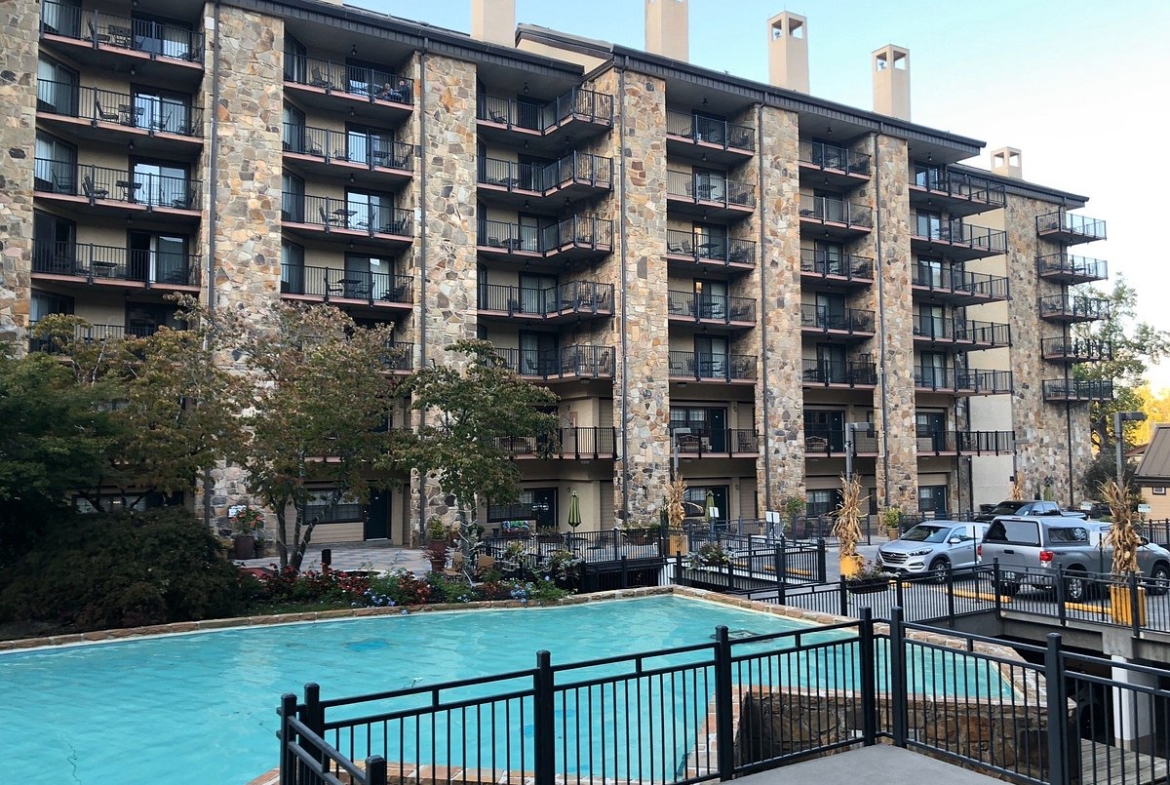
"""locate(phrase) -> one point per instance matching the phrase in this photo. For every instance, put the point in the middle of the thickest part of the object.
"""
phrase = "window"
(292, 202)
(158, 257)
(932, 321)
(539, 354)
(54, 249)
(822, 501)
(163, 37)
(367, 146)
(932, 369)
(292, 268)
(831, 363)
(712, 357)
(45, 304)
(824, 430)
(538, 293)
(161, 184)
(320, 506)
(144, 319)
(1158, 491)
(294, 129)
(830, 312)
(711, 241)
(372, 211)
(294, 60)
(56, 88)
(371, 277)
(930, 273)
(828, 258)
(928, 225)
(62, 17)
(56, 166)
(711, 299)
(162, 111)
(930, 429)
(928, 176)
(702, 498)
(710, 184)
(933, 499)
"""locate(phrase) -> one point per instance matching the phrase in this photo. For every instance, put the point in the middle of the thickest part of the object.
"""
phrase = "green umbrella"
(574, 511)
(710, 506)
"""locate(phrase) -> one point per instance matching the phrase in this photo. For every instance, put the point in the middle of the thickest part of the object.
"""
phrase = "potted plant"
(247, 522)
(793, 506)
(1124, 541)
(438, 537)
(562, 566)
(847, 530)
(892, 520)
(709, 554)
(642, 532)
(868, 579)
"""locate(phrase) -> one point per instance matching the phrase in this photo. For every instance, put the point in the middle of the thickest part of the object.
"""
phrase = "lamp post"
(1119, 435)
(674, 434)
(850, 429)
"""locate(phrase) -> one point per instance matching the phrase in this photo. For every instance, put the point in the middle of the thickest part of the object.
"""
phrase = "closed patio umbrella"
(709, 507)
(574, 511)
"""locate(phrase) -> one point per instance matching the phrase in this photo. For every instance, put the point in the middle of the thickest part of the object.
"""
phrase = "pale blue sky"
(1081, 88)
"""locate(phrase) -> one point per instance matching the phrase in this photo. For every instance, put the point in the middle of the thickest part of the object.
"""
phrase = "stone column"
(18, 95)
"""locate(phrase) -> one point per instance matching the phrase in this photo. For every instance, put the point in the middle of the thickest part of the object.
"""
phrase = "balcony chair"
(184, 201)
(91, 191)
(816, 444)
(318, 80)
(744, 442)
(103, 115)
(326, 221)
(94, 35)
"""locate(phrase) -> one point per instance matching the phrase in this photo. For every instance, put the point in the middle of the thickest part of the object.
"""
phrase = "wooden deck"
(1103, 764)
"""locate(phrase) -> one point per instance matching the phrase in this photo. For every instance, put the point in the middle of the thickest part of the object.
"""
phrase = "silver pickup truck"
(1033, 550)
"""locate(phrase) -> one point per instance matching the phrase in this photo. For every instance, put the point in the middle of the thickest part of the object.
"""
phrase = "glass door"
(160, 184)
(538, 293)
(827, 258)
(931, 430)
(56, 88)
(158, 258)
(711, 299)
(711, 241)
(54, 247)
(538, 354)
(831, 363)
(292, 268)
(712, 356)
(824, 430)
(928, 225)
(56, 166)
(292, 201)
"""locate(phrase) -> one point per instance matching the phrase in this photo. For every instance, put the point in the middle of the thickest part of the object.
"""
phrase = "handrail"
(141, 111)
(377, 150)
(709, 130)
(702, 187)
(703, 366)
(102, 184)
(841, 265)
(704, 247)
(574, 361)
(830, 210)
(823, 317)
(710, 307)
(1076, 266)
(575, 168)
(1073, 223)
(578, 103)
(373, 84)
(102, 29)
(825, 156)
(92, 261)
(336, 283)
(571, 297)
(330, 213)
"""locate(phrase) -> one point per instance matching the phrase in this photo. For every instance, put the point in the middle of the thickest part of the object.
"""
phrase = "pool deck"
(890, 765)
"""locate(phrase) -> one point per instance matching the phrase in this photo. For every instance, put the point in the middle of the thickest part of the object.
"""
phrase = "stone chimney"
(494, 21)
(667, 28)
(891, 81)
(788, 52)
(1007, 161)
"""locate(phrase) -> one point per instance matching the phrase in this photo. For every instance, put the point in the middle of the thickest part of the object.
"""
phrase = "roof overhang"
(1154, 470)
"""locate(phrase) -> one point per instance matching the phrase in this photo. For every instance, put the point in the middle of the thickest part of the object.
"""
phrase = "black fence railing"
(710, 130)
(580, 297)
(823, 264)
(851, 372)
(1079, 268)
(702, 366)
(953, 330)
(711, 307)
(965, 442)
(375, 150)
(127, 186)
(702, 187)
(1062, 222)
(1078, 390)
(1059, 306)
(824, 317)
(580, 104)
(373, 84)
(334, 282)
(829, 440)
(1076, 349)
(959, 185)
(829, 210)
(702, 442)
(157, 39)
(144, 111)
(370, 216)
(823, 155)
(977, 238)
(707, 248)
(400, 357)
(117, 263)
(545, 179)
(949, 279)
(976, 381)
(582, 442)
(86, 333)
(580, 232)
(567, 362)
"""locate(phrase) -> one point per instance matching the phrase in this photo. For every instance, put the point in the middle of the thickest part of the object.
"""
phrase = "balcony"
(709, 139)
(822, 441)
(97, 39)
(1061, 308)
(837, 218)
(959, 241)
(332, 87)
(116, 191)
(1075, 350)
(958, 287)
(580, 113)
(328, 153)
(88, 333)
(575, 444)
(575, 177)
(711, 310)
(832, 166)
(1068, 269)
(346, 219)
(152, 125)
(1069, 228)
(115, 266)
(718, 443)
(567, 363)
(936, 443)
(958, 193)
(962, 382)
(568, 302)
(709, 367)
(346, 287)
(843, 324)
(578, 237)
(1077, 390)
(835, 271)
(850, 373)
(709, 198)
(960, 334)
(400, 358)
(729, 252)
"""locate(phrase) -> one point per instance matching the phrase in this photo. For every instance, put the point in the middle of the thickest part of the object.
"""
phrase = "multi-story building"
(733, 275)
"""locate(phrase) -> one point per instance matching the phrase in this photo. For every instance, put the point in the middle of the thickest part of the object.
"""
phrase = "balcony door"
(828, 258)
(932, 321)
(163, 37)
(824, 430)
(56, 165)
(292, 268)
(368, 146)
(143, 319)
(292, 200)
(294, 60)
(158, 257)
(538, 293)
(370, 211)
(928, 224)
(538, 354)
(711, 299)
(830, 311)
(294, 129)
(160, 184)
(708, 426)
(930, 428)
(927, 176)
(57, 88)
(933, 369)
(933, 498)
(831, 363)
(710, 241)
(162, 111)
(701, 498)
(711, 352)
(43, 304)
(54, 244)
(930, 272)
(710, 184)
(370, 277)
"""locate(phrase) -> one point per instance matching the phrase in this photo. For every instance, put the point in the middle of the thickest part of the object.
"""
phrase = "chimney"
(891, 81)
(788, 52)
(1007, 161)
(666, 28)
(494, 21)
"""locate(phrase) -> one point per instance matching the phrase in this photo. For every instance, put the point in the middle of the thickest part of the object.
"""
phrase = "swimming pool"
(201, 707)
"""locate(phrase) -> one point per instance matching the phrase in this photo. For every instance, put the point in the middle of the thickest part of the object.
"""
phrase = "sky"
(1082, 89)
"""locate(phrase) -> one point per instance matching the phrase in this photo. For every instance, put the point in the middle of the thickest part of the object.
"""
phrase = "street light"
(850, 429)
(674, 434)
(1118, 419)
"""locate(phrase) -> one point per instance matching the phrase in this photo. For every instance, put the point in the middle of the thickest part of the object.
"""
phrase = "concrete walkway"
(881, 762)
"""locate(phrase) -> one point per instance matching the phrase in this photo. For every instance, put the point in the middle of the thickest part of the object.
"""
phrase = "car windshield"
(1007, 508)
(924, 533)
(1016, 532)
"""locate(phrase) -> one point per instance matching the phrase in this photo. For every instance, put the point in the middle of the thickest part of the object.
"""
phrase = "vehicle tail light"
(1046, 556)
(979, 551)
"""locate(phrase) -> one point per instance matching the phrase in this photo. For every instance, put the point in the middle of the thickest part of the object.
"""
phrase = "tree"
(1157, 409)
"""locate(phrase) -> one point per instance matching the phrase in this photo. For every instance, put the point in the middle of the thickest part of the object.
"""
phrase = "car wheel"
(1076, 587)
(1159, 580)
(938, 570)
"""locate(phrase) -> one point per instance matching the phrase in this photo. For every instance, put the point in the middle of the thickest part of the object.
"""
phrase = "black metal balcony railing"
(701, 187)
(87, 333)
(373, 150)
(572, 297)
(99, 184)
(978, 381)
(580, 443)
(827, 440)
(830, 156)
(822, 317)
(965, 442)
(1076, 349)
(961, 330)
(960, 185)
(981, 238)
(1064, 223)
(140, 111)
(567, 362)
(577, 231)
(1059, 306)
(855, 373)
(353, 215)
(581, 168)
(703, 366)
(373, 84)
(840, 265)
(578, 103)
(1077, 268)
(709, 130)
(115, 263)
(949, 279)
(400, 357)
(711, 307)
(701, 247)
(717, 441)
(333, 283)
(158, 39)
(828, 210)
(1078, 389)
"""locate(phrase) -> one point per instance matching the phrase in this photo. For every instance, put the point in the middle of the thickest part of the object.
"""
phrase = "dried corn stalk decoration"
(1018, 488)
(847, 529)
(1122, 537)
(676, 504)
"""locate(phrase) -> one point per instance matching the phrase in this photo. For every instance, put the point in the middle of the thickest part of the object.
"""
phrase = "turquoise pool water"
(200, 708)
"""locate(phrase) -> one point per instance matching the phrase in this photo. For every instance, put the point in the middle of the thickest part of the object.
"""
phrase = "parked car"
(1032, 551)
(1031, 507)
(932, 547)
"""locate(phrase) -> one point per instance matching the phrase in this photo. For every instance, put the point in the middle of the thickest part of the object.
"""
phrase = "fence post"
(1058, 593)
(1135, 609)
(625, 573)
(730, 574)
(950, 594)
(868, 680)
(724, 727)
(781, 573)
(751, 566)
(822, 565)
(898, 705)
(1057, 709)
(288, 762)
(544, 720)
(898, 589)
(842, 595)
(314, 717)
(375, 770)
(995, 588)
(678, 566)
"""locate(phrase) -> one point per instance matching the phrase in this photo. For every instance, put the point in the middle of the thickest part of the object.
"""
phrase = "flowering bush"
(561, 564)
(868, 571)
(248, 520)
(709, 554)
(325, 586)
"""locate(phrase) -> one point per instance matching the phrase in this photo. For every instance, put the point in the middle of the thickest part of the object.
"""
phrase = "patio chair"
(94, 35)
(318, 80)
(91, 191)
(103, 114)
